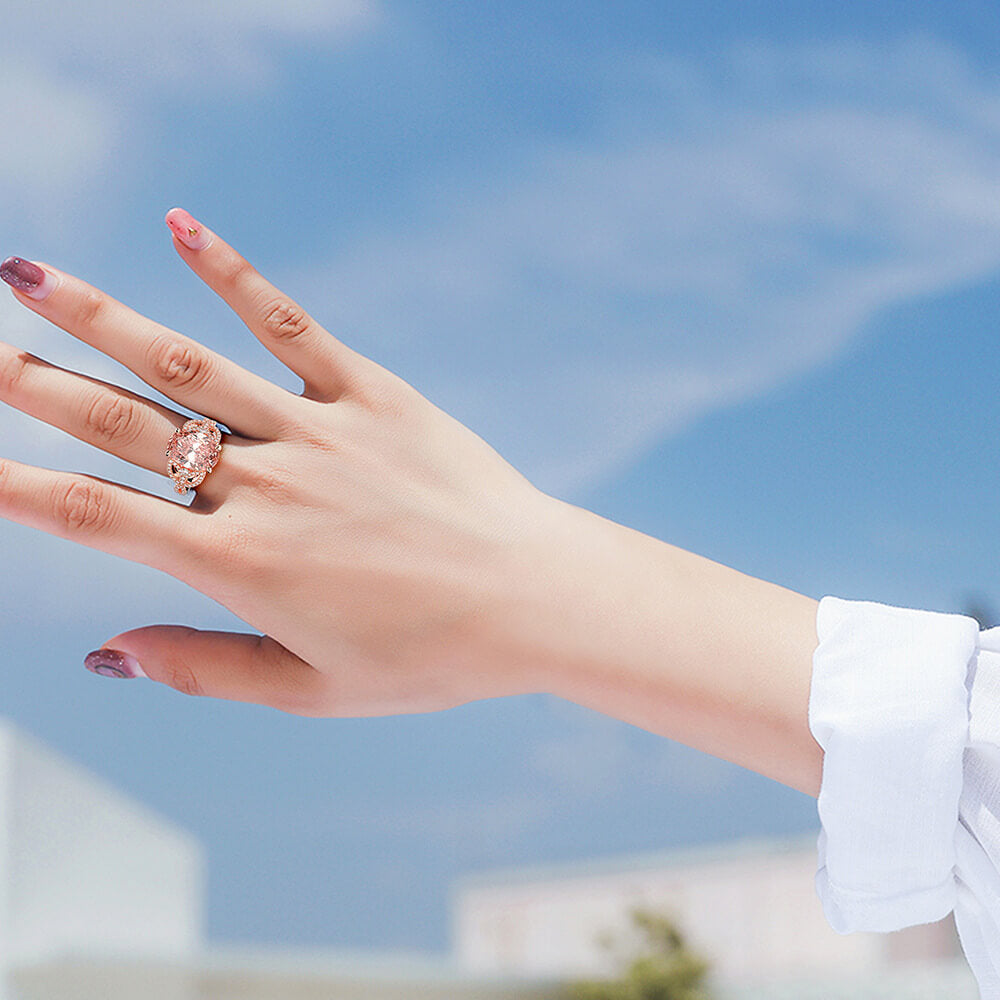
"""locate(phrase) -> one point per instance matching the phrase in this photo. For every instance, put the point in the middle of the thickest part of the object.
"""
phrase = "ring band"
(192, 453)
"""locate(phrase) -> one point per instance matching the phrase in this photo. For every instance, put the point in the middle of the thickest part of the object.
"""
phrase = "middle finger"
(178, 366)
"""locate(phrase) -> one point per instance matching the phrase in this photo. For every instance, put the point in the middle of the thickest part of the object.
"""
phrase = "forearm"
(669, 641)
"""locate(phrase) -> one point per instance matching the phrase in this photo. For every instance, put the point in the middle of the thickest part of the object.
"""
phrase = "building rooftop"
(680, 857)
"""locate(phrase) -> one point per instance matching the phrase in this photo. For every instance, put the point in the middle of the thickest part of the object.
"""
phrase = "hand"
(368, 535)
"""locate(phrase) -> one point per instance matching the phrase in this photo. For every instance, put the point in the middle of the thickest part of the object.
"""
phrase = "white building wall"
(86, 870)
(101, 899)
(751, 909)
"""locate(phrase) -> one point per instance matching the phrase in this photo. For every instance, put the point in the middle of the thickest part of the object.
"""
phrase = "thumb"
(233, 665)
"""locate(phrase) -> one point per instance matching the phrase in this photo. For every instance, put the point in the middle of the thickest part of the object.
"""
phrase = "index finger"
(328, 368)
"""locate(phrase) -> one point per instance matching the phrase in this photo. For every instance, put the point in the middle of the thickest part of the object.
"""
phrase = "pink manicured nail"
(113, 663)
(188, 229)
(28, 277)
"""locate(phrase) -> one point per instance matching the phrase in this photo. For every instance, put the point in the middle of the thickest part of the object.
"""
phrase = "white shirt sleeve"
(906, 706)
(977, 912)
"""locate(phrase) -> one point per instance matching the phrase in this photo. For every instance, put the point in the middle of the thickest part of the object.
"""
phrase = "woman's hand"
(392, 560)
(368, 535)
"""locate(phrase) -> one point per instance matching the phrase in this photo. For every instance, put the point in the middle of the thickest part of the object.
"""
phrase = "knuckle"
(233, 549)
(82, 506)
(284, 320)
(13, 369)
(320, 440)
(305, 419)
(237, 271)
(177, 364)
(391, 397)
(90, 307)
(200, 560)
(275, 483)
(231, 544)
(111, 417)
(7, 474)
(181, 676)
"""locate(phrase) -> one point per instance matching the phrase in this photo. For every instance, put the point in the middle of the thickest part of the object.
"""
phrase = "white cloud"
(175, 45)
(75, 78)
(79, 82)
(55, 139)
(730, 225)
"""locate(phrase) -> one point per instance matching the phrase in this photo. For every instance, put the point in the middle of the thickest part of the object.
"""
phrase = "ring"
(193, 450)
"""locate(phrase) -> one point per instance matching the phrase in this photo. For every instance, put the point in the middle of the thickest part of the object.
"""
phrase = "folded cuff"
(889, 705)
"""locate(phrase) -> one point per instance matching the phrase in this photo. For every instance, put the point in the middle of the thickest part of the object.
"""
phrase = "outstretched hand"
(371, 538)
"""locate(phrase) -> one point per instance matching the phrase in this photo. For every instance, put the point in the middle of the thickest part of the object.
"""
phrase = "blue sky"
(725, 272)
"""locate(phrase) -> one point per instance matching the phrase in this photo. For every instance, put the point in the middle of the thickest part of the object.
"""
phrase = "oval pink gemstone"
(192, 450)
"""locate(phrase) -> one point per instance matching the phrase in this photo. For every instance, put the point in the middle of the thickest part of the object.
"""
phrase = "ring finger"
(109, 417)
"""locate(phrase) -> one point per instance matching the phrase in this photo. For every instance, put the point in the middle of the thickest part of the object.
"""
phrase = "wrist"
(569, 591)
(672, 642)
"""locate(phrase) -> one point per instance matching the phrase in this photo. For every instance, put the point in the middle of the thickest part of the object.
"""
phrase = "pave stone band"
(192, 453)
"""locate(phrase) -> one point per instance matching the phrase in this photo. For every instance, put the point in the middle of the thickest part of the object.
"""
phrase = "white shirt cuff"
(889, 705)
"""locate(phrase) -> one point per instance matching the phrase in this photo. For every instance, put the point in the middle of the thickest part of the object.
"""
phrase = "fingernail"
(28, 277)
(188, 229)
(113, 663)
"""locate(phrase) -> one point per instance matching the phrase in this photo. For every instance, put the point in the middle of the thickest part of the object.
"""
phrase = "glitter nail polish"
(188, 229)
(28, 277)
(113, 663)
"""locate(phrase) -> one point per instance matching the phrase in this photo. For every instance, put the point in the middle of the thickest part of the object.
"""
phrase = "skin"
(390, 560)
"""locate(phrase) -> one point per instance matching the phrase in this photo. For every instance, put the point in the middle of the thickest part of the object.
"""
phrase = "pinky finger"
(104, 515)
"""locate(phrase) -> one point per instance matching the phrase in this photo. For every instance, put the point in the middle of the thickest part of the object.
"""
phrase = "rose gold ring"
(193, 450)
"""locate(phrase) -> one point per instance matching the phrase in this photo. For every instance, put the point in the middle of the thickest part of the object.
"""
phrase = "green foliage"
(663, 969)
